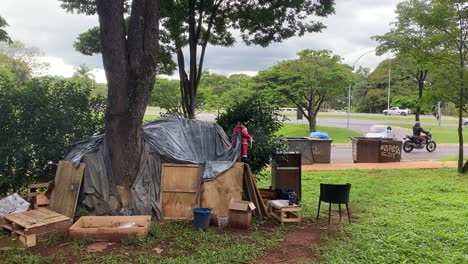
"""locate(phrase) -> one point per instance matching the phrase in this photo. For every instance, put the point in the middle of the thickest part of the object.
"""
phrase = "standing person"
(246, 139)
(417, 130)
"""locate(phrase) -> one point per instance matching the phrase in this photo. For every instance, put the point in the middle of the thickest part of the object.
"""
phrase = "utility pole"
(389, 80)
(349, 87)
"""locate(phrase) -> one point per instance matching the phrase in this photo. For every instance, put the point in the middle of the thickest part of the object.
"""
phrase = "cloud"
(45, 25)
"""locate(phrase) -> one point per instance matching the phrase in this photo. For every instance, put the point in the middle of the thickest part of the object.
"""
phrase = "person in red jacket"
(245, 137)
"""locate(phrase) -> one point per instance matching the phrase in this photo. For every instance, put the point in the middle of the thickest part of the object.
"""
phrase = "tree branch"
(205, 41)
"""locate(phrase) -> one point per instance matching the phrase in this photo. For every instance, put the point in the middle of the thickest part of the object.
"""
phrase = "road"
(343, 153)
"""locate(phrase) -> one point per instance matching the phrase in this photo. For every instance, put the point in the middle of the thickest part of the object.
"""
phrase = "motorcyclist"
(417, 132)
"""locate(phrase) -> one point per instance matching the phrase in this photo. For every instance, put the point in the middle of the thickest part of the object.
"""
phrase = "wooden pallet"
(38, 222)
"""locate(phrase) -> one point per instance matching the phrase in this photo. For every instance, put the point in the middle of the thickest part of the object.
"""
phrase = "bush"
(262, 122)
(38, 120)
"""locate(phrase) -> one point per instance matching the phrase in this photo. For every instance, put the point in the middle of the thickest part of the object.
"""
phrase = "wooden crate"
(180, 190)
(110, 228)
(35, 225)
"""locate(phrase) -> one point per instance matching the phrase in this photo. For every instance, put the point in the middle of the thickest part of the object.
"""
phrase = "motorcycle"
(413, 142)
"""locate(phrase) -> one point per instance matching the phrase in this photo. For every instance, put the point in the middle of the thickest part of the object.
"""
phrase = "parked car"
(396, 111)
(465, 122)
(380, 131)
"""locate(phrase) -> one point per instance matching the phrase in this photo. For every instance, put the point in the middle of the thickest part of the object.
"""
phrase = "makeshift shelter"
(170, 140)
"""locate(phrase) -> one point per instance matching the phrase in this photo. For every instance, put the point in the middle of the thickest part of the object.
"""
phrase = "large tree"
(409, 39)
(194, 24)
(129, 53)
(310, 80)
(445, 25)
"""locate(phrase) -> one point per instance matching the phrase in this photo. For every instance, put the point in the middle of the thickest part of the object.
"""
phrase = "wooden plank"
(180, 187)
(108, 234)
(66, 189)
(218, 193)
(52, 227)
(254, 194)
(109, 221)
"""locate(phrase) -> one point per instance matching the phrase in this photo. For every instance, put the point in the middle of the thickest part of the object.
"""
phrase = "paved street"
(341, 153)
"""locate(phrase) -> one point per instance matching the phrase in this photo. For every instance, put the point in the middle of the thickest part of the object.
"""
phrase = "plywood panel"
(67, 185)
(219, 192)
(180, 187)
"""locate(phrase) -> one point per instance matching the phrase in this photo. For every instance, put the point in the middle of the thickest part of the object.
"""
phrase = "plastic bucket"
(201, 217)
(223, 221)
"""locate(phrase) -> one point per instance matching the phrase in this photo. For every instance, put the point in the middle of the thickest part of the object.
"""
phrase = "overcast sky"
(43, 24)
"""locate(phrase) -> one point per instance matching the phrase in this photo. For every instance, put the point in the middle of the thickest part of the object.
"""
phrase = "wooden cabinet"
(286, 172)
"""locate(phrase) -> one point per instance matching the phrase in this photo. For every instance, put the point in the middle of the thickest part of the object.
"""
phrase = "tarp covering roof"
(171, 140)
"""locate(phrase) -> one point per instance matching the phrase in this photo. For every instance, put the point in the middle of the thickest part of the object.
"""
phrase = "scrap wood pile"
(49, 216)
(29, 227)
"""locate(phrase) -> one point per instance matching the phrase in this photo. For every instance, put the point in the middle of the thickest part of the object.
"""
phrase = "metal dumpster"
(313, 150)
(374, 150)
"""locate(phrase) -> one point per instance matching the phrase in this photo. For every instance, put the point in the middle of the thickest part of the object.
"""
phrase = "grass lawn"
(442, 134)
(339, 135)
(449, 158)
(381, 118)
(399, 216)
(147, 118)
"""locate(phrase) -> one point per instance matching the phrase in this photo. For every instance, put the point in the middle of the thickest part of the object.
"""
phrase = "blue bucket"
(201, 217)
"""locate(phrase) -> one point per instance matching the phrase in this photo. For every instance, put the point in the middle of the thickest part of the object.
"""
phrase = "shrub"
(262, 121)
(38, 120)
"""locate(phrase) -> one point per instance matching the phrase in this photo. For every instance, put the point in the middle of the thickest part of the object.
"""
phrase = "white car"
(465, 122)
(396, 111)
(380, 131)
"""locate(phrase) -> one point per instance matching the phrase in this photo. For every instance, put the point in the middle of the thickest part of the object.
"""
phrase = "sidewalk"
(423, 164)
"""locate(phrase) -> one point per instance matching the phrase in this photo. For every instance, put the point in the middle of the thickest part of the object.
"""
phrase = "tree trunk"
(461, 168)
(312, 120)
(420, 77)
(130, 64)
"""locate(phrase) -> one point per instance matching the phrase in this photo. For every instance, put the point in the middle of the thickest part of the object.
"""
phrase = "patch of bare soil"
(305, 242)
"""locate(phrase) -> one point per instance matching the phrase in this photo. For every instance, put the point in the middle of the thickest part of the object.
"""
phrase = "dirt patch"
(299, 245)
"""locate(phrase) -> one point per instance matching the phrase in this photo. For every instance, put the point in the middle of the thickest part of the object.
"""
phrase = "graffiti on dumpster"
(315, 150)
(390, 151)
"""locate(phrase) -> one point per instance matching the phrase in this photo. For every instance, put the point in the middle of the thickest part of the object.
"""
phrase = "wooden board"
(37, 222)
(66, 189)
(253, 194)
(180, 190)
(110, 228)
(219, 192)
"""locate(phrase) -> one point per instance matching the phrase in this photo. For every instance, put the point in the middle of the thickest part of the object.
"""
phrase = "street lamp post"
(349, 88)
(389, 80)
